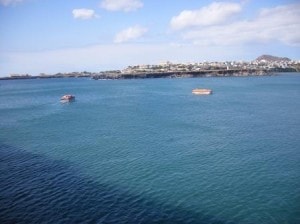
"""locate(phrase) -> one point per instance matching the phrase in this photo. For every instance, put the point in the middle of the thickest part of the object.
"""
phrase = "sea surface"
(149, 151)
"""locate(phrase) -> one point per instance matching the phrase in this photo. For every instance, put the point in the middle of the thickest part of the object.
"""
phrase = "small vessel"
(202, 91)
(67, 98)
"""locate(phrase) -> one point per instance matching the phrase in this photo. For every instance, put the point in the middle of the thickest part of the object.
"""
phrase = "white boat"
(67, 98)
(202, 91)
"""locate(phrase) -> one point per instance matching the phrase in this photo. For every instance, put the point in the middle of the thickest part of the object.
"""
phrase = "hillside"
(270, 58)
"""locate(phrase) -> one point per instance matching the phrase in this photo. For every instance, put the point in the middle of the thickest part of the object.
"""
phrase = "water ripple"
(62, 196)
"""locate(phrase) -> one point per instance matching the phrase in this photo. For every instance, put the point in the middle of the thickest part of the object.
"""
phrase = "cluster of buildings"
(209, 66)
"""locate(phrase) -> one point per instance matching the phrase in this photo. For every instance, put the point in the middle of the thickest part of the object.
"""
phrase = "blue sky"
(75, 35)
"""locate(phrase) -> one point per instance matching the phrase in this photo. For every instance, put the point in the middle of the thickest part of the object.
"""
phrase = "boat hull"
(67, 98)
(202, 91)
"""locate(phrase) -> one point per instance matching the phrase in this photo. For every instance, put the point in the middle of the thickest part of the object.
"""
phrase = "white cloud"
(215, 13)
(84, 13)
(280, 23)
(121, 5)
(130, 33)
(9, 2)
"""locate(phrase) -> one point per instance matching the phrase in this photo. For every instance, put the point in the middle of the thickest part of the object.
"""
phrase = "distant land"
(263, 65)
(270, 58)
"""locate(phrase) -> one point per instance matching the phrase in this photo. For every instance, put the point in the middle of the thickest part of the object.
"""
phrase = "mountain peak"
(270, 58)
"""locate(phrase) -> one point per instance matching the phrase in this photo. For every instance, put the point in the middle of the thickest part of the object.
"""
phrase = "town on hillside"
(263, 65)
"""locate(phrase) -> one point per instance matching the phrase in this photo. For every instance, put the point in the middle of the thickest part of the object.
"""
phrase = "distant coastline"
(146, 75)
(183, 74)
(263, 65)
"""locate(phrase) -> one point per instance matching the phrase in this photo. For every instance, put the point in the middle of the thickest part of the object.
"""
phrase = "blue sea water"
(148, 151)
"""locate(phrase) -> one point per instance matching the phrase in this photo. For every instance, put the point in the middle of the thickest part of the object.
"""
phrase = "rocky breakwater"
(185, 74)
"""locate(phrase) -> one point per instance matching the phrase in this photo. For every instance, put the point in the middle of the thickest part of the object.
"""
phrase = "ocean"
(149, 151)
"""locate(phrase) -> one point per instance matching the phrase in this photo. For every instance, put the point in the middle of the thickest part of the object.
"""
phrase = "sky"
(50, 36)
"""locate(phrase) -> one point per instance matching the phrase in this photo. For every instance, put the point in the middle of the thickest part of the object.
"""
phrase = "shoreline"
(146, 75)
(189, 74)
